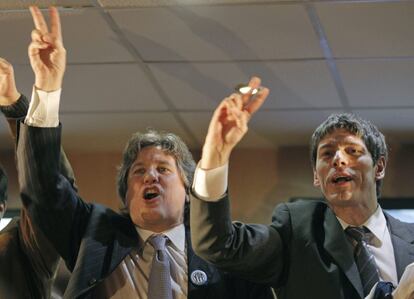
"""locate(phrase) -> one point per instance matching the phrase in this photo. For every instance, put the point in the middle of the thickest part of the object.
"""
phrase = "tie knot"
(158, 242)
(358, 233)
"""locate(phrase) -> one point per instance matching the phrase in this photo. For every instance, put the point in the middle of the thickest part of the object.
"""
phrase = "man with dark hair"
(337, 248)
(147, 252)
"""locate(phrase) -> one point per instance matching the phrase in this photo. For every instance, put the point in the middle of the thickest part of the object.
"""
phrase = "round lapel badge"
(198, 277)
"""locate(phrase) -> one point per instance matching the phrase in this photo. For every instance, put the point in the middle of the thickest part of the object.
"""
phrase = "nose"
(339, 159)
(151, 176)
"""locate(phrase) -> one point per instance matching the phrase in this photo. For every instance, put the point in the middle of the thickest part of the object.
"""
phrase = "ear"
(380, 168)
(316, 181)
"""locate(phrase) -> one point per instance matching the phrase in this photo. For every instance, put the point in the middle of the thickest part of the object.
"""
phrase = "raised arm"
(249, 250)
(46, 180)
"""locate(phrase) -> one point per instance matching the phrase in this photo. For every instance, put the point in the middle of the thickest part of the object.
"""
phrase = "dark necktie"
(159, 282)
(364, 259)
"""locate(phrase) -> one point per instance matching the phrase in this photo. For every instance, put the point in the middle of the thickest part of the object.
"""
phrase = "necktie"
(159, 283)
(364, 259)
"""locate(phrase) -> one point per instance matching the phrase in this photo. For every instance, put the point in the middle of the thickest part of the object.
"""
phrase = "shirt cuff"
(44, 109)
(211, 185)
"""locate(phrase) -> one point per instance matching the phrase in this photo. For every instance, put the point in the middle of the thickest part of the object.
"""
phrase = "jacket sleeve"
(50, 198)
(253, 251)
(14, 112)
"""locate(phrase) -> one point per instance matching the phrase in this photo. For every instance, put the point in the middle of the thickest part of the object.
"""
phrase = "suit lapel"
(195, 263)
(100, 254)
(341, 250)
(403, 242)
(123, 244)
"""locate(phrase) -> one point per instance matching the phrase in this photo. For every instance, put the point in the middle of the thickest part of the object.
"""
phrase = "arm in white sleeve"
(44, 109)
(211, 184)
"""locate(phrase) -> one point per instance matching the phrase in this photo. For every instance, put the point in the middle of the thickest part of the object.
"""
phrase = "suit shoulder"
(104, 217)
(301, 206)
(302, 215)
(397, 226)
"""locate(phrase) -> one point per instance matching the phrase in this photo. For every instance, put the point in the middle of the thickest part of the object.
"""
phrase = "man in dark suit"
(337, 248)
(28, 262)
(111, 255)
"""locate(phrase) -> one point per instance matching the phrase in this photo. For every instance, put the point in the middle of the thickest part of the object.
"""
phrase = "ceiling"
(166, 64)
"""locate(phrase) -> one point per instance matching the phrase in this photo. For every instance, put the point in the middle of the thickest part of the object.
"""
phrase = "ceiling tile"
(151, 3)
(109, 87)
(111, 131)
(24, 4)
(396, 124)
(378, 83)
(88, 38)
(198, 124)
(360, 29)
(293, 84)
(219, 32)
(100, 87)
(86, 35)
(286, 128)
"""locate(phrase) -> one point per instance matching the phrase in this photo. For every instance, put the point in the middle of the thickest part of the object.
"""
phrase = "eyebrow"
(331, 144)
(161, 161)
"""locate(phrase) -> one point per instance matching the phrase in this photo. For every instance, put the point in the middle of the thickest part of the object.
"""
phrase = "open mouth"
(341, 179)
(151, 193)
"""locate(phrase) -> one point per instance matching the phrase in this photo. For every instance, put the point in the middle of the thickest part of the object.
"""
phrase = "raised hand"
(46, 52)
(8, 90)
(229, 124)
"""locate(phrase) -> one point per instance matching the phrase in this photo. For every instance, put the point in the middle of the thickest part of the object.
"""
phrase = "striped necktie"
(364, 259)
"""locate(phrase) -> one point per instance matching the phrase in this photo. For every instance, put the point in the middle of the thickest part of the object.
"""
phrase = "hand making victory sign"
(46, 52)
(229, 124)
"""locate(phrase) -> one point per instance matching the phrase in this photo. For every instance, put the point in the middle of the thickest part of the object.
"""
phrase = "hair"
(3, 186)
(170, 143)
(369, 133)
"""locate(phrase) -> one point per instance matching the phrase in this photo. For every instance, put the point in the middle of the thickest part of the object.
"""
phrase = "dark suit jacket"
(303, 253)
(91, 238)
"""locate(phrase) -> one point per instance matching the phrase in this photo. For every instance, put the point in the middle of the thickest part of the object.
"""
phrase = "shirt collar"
(376, 223)
(175, 234)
